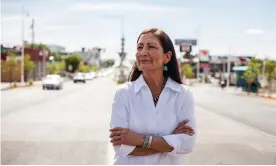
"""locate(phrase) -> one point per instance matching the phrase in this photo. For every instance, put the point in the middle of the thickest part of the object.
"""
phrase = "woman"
(152, 119)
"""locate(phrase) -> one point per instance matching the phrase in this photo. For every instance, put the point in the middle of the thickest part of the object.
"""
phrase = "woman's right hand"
(183, 128)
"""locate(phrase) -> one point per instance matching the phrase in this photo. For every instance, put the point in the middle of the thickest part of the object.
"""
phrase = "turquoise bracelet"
(146, 142)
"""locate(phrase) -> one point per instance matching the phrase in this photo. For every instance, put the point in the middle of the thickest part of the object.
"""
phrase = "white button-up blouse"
(133, 108)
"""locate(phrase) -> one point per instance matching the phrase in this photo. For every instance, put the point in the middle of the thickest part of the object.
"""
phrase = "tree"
(94, 68)
(56, 67)
(52, 68)
(60, 66)
(84, 68)
(40, 46)
(110, 62)
(11, 65)
(56, 57)
(249, 76)
(29, 65)
(188, 71)
(255, 64)
(74, 61)
(270, 71)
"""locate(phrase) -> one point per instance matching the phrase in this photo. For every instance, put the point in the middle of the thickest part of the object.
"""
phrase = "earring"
(165, 68)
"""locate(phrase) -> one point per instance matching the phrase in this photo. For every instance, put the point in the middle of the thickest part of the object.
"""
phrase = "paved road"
(57, 127)
(253, 111)
(71, 126)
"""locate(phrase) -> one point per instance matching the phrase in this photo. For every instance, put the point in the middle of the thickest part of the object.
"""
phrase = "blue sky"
(242, 27)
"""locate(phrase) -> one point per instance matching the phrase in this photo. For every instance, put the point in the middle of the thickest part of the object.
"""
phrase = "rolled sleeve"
(119, 118)
(123, 150)
(183, 143)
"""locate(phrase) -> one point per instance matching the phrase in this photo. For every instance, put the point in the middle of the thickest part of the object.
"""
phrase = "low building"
(36, 55)
(59, 50)
(90, 56)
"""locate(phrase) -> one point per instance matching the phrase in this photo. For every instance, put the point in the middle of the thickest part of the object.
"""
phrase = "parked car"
(79, 77)
(90, 76)
(52, 81)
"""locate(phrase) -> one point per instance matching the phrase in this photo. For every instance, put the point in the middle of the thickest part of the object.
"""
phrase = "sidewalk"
(238, 91)
(6, 86)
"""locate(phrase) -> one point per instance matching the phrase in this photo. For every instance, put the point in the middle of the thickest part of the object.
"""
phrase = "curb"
(11, 88)
(26, 86)
(6, 88)
(270, 99)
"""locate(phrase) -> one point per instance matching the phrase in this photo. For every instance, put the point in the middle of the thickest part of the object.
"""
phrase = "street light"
(198, 34)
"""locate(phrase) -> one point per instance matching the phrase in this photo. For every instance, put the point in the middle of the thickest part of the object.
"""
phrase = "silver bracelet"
(149, 143)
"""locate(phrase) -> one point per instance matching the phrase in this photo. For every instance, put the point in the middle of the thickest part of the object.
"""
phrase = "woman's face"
(150, 54)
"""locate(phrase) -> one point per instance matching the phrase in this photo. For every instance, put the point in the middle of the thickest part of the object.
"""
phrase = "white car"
(90, 76)
(79, 77)
(52, 81)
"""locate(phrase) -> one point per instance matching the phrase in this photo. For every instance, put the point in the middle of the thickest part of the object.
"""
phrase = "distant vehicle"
(52, 81)
(90, 76)
(79, 77)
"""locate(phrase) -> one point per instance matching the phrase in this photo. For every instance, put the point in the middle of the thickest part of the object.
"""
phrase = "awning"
(240, 68)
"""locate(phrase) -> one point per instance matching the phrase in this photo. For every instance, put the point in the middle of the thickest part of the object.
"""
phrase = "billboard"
(188, 42)
(203, 56)
(185, 48)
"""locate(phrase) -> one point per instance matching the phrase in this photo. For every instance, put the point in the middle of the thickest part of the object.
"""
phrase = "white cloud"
(7, 18)
(254, 32)
(57, 27)
(124, 6)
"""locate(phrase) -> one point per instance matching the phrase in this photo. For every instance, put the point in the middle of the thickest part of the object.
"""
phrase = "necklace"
(163, 86)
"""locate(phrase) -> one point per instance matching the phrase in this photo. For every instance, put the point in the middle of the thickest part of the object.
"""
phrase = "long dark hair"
(167, 45)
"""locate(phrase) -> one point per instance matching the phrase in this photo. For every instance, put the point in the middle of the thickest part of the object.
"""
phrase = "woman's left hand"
(124, 136)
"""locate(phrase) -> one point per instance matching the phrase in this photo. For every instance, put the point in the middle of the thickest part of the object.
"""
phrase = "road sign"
(3, 50)
(188, 42)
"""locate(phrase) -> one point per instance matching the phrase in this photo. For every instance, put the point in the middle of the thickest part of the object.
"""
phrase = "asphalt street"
(70, 126)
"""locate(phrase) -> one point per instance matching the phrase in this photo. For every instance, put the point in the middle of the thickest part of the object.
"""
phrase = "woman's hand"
(124, 136)
(182, 128)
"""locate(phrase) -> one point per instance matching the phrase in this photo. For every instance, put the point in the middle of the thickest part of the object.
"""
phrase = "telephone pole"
(33, 32)
(23, 43)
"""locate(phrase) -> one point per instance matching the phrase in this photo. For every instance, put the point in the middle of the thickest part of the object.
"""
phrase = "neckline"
(155, 100)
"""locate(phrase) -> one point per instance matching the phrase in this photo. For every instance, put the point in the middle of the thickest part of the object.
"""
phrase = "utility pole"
(33, 33)
(45, 55)
(229, 67)
(228, 70)
(198, 33)
(223, 67)
(23, 43)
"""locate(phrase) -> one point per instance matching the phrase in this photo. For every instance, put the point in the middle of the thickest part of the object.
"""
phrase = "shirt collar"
(171, 84)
